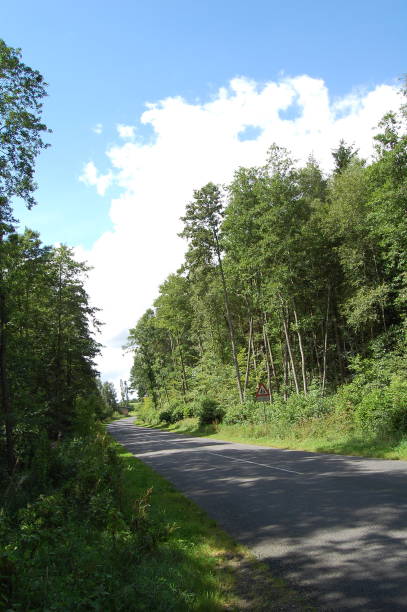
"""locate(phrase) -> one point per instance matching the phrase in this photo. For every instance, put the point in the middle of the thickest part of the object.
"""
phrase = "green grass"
(198, 559)
(325, 435)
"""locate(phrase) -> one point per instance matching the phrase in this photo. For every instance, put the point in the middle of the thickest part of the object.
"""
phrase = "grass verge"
(318, 435)
(198, 559)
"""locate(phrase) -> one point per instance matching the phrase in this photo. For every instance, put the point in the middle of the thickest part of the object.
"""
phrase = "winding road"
(334, 525)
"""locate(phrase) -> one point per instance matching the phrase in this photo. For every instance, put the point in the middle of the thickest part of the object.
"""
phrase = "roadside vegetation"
(334, 431)
(367, 417)
(298, 280)
(98, 530)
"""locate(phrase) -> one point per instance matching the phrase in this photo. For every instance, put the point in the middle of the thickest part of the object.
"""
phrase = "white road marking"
(271, 467)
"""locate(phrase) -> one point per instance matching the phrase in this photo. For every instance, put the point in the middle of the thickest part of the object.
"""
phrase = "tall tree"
(22, 90)
(202, 228)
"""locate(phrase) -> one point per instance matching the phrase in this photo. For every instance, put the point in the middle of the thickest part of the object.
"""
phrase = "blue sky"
(105, 60)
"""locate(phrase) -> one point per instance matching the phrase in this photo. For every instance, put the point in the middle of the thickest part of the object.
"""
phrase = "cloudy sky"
(150, 101)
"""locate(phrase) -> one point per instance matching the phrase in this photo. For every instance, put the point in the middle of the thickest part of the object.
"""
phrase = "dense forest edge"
(83, 525)
(296, 279)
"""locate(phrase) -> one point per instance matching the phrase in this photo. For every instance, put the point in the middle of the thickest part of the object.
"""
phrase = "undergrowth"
(366, 417)
(98, 537)
(93, 528)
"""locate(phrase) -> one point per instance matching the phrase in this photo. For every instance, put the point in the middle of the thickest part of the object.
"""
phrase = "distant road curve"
(335, 525)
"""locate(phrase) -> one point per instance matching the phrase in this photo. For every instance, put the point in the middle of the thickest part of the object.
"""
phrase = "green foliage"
(67, 547)
(383, 411)
(298, 280)
(50, 345)
(173, 412)
(102, 535)
(147, 412)
(210, 411)
(21, 92)
(241, 413)
(109, 399)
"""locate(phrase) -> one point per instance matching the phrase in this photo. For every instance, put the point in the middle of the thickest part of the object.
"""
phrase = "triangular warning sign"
(262, 391)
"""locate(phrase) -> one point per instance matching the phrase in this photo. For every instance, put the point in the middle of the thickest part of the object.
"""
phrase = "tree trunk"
(229, 320)
(254, 356)
(285, 369)
(249, 344)
(4, 388)
(268, 367)
(338, 345)
(180, 376)
(184, 378)
(288, 343)
(273, 369)
(304, 374)
(325, 342)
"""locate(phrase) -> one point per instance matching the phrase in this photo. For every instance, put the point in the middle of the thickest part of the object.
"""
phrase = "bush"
(241, 413)
(210, 412)
(173, 412)
(66, 548)
(147, 413)
(384, 411)
(193, 408)
(165, 416)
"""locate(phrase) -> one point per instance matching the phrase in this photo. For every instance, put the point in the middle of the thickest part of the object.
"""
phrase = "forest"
(293, 278)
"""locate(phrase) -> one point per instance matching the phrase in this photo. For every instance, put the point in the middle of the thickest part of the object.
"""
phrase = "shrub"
(66, 548)
(147, 413)
(193, 408)
(173, 412)
(384, 411)
(165, 416)
(210, 412)
(241, 413)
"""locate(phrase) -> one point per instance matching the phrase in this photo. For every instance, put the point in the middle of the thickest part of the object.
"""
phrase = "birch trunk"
(184, 378)
(249, 344)
(303, 370)
(290, 353)
(325, 342)
(254, 356)
(268, 368)
(229, 319)
(273, 369)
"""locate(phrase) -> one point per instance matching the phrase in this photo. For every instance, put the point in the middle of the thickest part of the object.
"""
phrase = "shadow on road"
(336, 525)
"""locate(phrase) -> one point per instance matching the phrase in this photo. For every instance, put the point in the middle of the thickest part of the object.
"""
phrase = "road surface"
(335, 525)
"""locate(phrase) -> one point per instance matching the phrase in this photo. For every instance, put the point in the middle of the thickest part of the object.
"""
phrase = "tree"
(343, 156)
(124, 394)
(201, 227)
(144, 340)
(22, 90)
(109, 397)
(173, 312)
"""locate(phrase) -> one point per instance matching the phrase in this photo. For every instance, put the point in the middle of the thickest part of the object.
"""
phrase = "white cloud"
(90, 176)
(196, 143)
(126, 131)
(98, 129)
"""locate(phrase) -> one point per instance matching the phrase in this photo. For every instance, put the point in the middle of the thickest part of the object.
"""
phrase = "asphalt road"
(334, 525)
